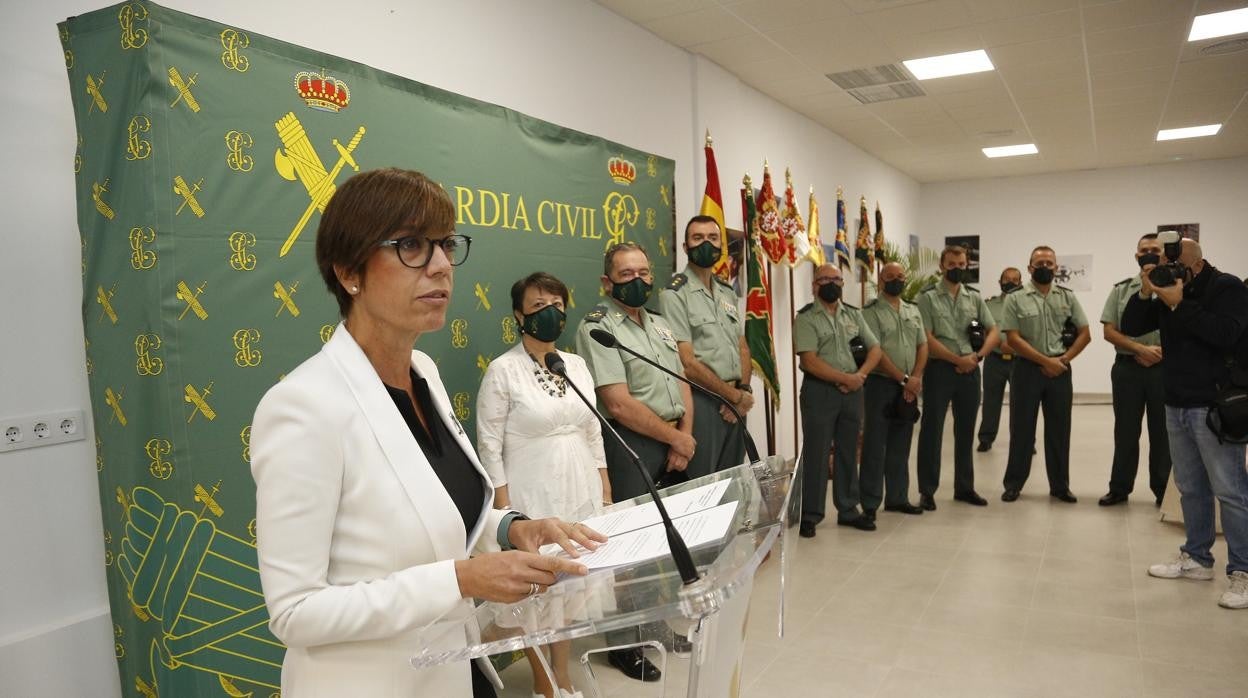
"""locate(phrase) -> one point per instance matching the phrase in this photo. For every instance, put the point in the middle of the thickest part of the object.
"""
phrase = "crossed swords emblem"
(298, 160)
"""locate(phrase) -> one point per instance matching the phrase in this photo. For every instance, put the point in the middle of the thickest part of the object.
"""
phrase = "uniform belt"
(672, 422)
(1124, 358)
(1005, 357)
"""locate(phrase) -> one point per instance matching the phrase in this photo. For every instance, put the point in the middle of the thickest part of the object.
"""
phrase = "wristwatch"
(504, 529)
(744, 386)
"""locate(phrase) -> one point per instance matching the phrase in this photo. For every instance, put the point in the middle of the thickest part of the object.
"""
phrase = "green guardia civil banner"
(205, 157)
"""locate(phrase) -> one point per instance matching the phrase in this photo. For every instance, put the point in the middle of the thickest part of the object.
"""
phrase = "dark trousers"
(1137, 388)
(1030, 393)
(710, 430)
(943, 386)
(626, 482)
(885, 472)
(996, 376)
(829, 417)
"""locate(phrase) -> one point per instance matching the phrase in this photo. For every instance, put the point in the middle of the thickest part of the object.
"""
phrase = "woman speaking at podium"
(369, 496)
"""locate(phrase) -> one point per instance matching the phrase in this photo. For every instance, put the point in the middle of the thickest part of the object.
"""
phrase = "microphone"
(680, 551)
(608, 340)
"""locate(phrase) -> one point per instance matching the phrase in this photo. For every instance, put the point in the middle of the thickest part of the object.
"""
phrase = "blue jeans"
(1204, 469)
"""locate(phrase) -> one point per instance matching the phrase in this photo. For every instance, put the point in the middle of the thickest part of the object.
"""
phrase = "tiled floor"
(1034, 598)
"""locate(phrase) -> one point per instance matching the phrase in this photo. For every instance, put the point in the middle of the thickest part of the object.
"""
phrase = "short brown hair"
(540, 280)
(366, 210)
(952, 249)
(701, 219)
(1041, 248)
(609, 258)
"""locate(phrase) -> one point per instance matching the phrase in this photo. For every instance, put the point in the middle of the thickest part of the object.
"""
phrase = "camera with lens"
(976, 333)
(858, 349)
(1069, 333)
(1169, 272)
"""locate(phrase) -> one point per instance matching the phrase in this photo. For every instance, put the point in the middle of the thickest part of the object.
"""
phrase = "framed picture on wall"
(971, 243)
(1074, 271)
(1187, 230)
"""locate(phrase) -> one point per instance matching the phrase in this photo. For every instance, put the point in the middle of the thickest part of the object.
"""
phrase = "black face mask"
(704, 255)
(1147, 259)
(954, 275)
(1009, 286)
(1042, 276)
(545, 324)
(894, 287)
(633, 293)
(830, 292)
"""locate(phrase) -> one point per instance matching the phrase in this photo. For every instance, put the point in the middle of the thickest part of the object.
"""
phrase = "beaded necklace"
(555, 386)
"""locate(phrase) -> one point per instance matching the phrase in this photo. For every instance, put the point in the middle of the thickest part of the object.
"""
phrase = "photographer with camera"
(1047, 328)
(1201, 313)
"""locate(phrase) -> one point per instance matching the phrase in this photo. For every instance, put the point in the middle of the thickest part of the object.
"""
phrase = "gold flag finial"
(708, 138)
(766, 166)
(862, 200)
(840, 192)
(788, 177)
(747, 182)
(812, 190)
(877, 205)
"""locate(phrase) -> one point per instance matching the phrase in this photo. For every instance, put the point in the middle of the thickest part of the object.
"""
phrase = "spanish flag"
(713, 206)
(816, 254)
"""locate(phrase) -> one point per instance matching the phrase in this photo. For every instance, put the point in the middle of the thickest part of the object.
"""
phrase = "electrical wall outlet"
(41, 430)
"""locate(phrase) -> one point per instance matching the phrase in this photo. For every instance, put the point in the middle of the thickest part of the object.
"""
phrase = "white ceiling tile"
(1102, 98)
(961, 83)
(1130, 13)
(768, 15)
(1153, 78)
(763, 72)
(919, 18)
(1200, 108)
(1147, 108)
(1044, 71)
(986, 10)
(698, 27)
(934, 43)
(991, 93)
(641, 11)
(729, 53)
(1150, 57)
(1043, 51)
(1133, 38)
(1016, 30)
(1211, 73)
(836, 45)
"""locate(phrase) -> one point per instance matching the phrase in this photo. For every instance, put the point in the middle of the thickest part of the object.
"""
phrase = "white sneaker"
(1236, 595)
(1183, 566)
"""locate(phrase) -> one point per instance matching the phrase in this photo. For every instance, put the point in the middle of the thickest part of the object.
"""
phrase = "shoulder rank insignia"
(847, 305)
(678, 280)
(872, 302)
(597, 314)
(804, 308)
(1126, 281)
(970, 288)
(1064, 288)
(721, 281)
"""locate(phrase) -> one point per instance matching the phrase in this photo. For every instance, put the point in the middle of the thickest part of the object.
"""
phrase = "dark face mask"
(1008, 286)
(1147, 259)
(545, 324)
(1042, 276)
(830, 292)
(632, 293)
(954, 275)
(894, 287)
(704, 254)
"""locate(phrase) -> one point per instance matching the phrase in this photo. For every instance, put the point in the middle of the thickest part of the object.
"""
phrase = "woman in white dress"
(540, 444)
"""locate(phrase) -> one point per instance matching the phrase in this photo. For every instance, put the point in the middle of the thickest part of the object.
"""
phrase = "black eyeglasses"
(416, 251)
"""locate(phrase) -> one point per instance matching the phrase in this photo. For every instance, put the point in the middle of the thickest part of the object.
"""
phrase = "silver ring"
(532, 588)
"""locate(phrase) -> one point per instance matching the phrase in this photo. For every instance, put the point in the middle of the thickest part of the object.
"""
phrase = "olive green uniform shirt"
(1117, 302)
(996, 306)
(1040, 318)
(828, 334)
(653, 339)
(708, 319)
(900, 332)
(947, 316)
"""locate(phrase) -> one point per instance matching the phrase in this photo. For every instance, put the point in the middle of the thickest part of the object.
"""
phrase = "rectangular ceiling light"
(1007, 151)
(1173, 134)
(1219, 24)
(952, 64)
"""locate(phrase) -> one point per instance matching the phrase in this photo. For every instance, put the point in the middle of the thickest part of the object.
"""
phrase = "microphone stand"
(608, 340)
(679, 551)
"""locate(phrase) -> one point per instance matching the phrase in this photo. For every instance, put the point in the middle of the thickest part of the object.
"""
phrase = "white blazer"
(356, 535)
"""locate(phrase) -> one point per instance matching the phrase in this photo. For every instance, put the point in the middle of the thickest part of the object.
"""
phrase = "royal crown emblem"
(621, 170)
(321, 92)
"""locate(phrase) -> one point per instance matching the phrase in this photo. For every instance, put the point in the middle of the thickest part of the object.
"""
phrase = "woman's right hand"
(509, 576)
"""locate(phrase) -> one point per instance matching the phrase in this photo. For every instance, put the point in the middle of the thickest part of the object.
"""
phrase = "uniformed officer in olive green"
(651, 410)
(701, 309)
(952, 378)
(831, 400)
(897, 324)
(1036, 317)
(998, 365)
(1136, 381)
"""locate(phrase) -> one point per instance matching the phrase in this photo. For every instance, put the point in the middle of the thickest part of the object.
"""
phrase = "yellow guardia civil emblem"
(509, 330)
(95, 86)
(136, 147)
(245, 437)
(234, 41)
(156, 450)
(113, 400)
(132, 17)
(105, 299)
(482, 294)
(459, 333)
(146, 364)
(326, 332)
(483, 362)
(198, 400)
(298, 161)
(650, 219)
(619, 210)
(187, 192)
(69, 54)
(192, 300)
(248, 354)
(237, 143)
(241, 258)
(98, 191)
(183, 87)
(142, 258)
(462, 410)
(78, 157)
(286, 298)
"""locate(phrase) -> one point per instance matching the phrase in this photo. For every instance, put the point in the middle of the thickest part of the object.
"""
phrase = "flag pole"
(793, 356)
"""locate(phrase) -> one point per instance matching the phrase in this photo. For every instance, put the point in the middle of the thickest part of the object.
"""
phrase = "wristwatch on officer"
(744, 386)
(905, 380)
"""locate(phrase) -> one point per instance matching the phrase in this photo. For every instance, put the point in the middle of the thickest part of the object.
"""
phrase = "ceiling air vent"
(882, 83)
(1224, 47)
(885, 93)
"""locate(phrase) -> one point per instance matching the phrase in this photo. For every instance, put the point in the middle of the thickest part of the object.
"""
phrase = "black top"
(461, 480)
(1197, 337)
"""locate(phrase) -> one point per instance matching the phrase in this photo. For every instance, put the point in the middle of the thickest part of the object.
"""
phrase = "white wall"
(1098, 212)
(567, 61)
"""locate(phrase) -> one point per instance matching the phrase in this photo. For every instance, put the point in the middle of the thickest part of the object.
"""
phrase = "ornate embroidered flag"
(816, 255)
(713, 206)
(864, 252)
(843, 256)
(798, 246)
(879, 233)
(770, 234)
(758, 331)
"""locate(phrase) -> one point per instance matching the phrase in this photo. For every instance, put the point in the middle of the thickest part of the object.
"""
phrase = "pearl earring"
(355, 289)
